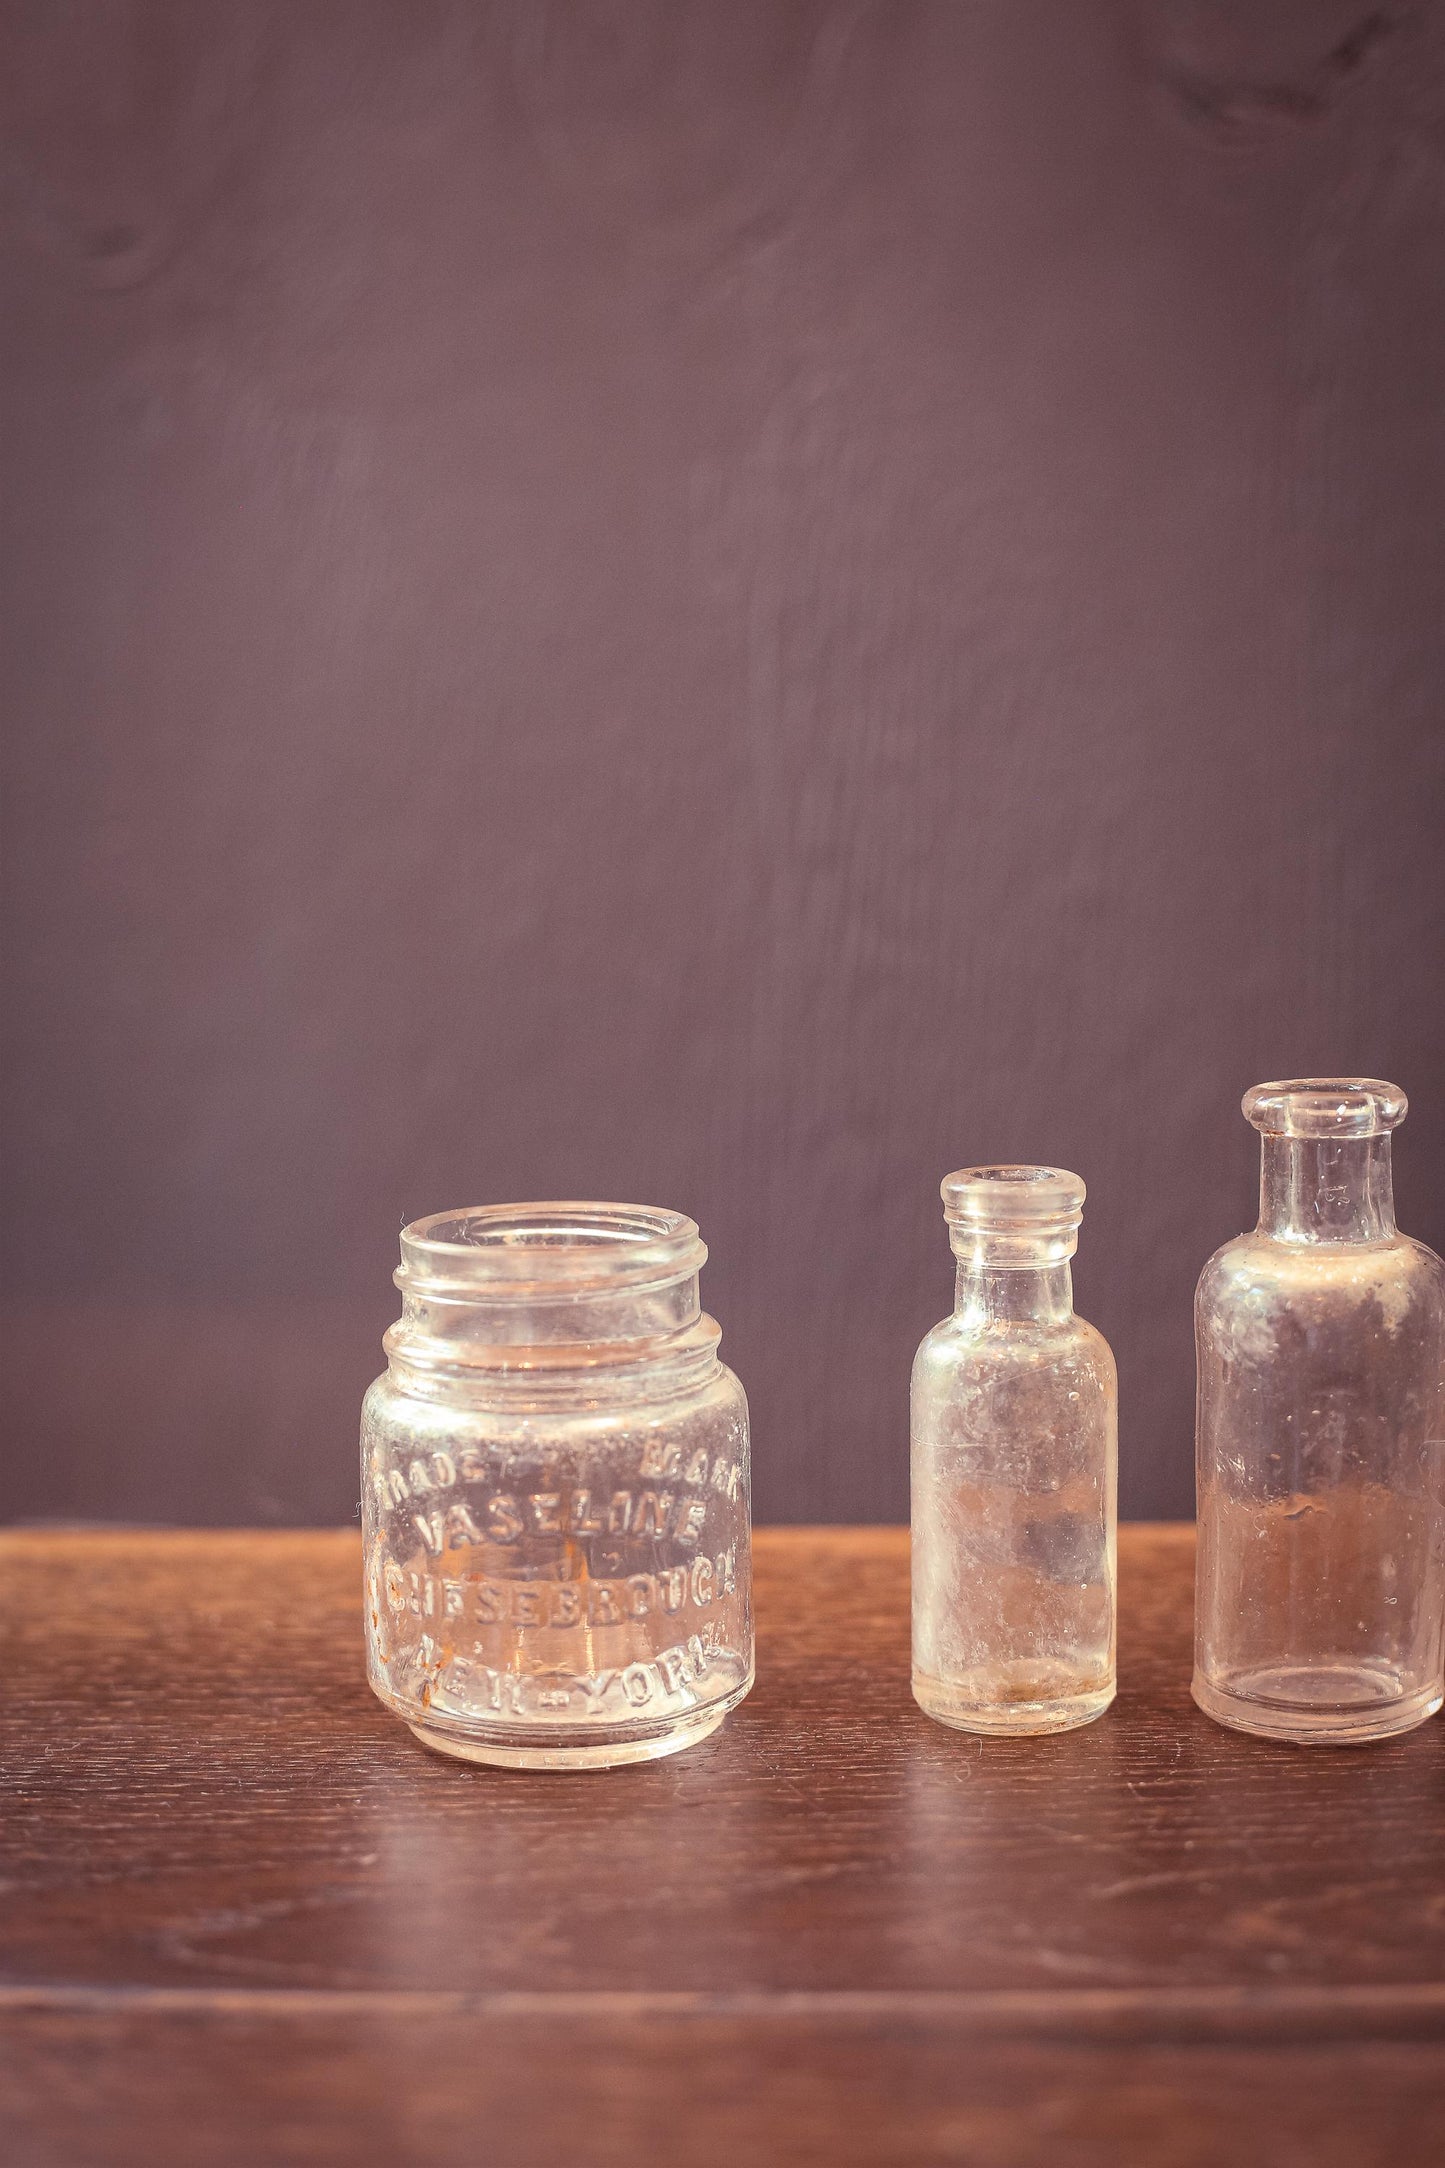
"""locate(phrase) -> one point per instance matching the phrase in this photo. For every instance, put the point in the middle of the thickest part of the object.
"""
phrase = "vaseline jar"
(556, 1491)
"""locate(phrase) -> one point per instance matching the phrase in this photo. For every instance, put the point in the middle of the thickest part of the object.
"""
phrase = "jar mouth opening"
(1013, 1198)
(562, 1247)
(1326, 1106)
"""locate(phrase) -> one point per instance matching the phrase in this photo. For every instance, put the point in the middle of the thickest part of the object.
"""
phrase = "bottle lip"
(561, 1249)
(1013, 1199)
(1325, 1106)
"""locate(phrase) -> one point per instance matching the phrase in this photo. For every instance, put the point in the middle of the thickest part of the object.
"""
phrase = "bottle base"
(1346, 1704)
(1014, 1709)
(515, 1750)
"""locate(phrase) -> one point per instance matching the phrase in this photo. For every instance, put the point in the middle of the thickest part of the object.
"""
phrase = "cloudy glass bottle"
(1014, 1466)
(1320, 1596)
(556, 1491)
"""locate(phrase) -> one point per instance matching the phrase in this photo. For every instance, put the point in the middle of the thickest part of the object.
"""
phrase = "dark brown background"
(728, 605)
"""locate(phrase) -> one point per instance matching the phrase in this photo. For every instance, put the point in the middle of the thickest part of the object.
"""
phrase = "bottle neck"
(988, 1294)
(1329, 1189)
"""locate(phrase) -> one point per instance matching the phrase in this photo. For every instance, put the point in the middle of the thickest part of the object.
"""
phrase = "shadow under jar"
(1320, 1588)
(556, 1491)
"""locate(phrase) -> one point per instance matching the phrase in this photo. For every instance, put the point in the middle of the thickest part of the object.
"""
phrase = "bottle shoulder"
(957, 1345)
(1394, 1286)
(1261, 1260)
(1429, 1263)
(1099, 1349)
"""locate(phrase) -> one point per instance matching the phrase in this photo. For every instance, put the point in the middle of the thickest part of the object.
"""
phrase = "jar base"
(513, 1752)
(1344, 1704)
(1012, 1718)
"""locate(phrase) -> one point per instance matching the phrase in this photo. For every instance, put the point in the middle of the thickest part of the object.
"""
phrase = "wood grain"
(248, 1919)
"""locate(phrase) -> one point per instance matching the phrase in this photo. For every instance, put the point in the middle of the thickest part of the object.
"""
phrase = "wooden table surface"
(248, 1920)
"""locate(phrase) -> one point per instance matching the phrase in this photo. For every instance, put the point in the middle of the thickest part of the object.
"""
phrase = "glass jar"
(1014, 1418)
(556, 1491)
(1320, 1585)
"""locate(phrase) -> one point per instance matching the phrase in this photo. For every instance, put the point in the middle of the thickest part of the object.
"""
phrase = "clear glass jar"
(1014, 1423)
(556, 1491)
(1320, 1585)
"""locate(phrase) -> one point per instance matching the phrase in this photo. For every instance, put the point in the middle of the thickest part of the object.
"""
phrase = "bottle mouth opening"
(1013, 1200)
(1326, 1106)
(559, 1249)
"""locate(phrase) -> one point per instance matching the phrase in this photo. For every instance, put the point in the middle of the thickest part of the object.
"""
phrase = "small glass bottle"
(556, 1491)
(1320, 1585)
(1014, 1421)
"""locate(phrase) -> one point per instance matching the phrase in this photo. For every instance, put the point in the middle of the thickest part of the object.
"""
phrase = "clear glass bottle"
(1320, 1584)
(556, 1491)
(1014, 1423)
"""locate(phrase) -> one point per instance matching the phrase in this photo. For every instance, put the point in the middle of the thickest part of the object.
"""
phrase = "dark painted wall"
(727, 605)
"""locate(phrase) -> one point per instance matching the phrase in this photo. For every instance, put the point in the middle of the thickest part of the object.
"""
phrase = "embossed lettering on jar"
(556, 1491)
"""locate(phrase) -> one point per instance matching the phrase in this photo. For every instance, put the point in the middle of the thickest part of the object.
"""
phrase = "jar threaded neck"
(536, 1287)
